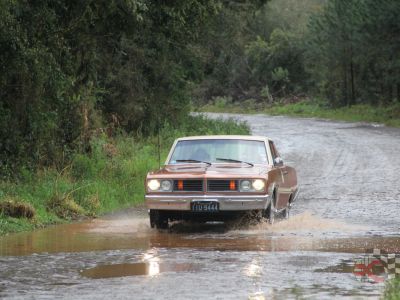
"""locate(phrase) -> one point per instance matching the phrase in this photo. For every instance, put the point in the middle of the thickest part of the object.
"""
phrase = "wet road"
(348, 205)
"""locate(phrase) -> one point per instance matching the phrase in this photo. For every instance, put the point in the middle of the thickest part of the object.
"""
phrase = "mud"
(348, 206)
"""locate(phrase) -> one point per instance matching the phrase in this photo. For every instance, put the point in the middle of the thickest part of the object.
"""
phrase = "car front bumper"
(226, 202)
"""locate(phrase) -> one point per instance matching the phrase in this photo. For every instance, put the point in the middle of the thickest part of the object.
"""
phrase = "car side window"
(273, 150)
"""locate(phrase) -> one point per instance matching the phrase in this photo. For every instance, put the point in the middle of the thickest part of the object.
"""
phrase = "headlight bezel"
(246, 185)
(156, 185)
(170, 188)
(257, 185)
(153, 185)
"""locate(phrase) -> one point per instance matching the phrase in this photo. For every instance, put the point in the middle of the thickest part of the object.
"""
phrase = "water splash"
(305, 223)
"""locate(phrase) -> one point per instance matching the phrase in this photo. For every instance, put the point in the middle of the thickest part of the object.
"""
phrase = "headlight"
(258, 184)
(249, 185)
(245, 185)
(166, 185)
(153, 185)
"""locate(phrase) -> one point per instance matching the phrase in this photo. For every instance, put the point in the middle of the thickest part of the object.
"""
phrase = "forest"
(86, 86)
(70, 68)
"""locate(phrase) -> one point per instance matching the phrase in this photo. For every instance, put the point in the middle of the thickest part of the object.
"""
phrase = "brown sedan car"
(217, 178)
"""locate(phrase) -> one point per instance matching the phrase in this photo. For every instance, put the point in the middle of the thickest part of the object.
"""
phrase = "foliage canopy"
(72, 68)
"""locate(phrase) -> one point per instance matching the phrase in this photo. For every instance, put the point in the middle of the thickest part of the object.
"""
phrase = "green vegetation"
(72, 67)
(345, 52)
(392, 290)
(84, 88)
(109, 178)
(83, 81)
(69, 67)
(388, 115)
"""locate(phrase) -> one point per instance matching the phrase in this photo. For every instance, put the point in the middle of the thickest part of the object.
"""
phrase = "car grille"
(188, 185)
(222, 185)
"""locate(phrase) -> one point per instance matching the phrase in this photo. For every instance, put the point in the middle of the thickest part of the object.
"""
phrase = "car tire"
(158, 219)
(286, 213)
(271, 215)
(270, 211)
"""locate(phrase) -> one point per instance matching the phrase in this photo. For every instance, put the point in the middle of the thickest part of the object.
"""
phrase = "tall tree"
(354, 51)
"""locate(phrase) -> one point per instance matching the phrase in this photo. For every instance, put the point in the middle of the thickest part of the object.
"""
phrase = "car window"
(209, 150)
(274, 152)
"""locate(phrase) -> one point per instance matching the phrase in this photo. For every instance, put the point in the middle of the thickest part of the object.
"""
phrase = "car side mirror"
(278, 161)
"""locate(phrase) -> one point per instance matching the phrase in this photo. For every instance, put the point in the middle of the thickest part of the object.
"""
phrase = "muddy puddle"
(304, 232)
(125, 253)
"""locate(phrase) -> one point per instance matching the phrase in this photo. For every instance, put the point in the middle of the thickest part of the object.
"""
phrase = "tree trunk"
(398, 90)
(353, 97)
(345, 101)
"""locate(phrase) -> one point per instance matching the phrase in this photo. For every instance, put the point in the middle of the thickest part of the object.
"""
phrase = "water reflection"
(150, 269)
(152, 261)
(116, 270)
(150, 266)
(253, 269)
(257, 296)
(100, 235)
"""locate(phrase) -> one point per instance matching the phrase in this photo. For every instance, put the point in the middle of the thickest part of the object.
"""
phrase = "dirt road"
(349, 205)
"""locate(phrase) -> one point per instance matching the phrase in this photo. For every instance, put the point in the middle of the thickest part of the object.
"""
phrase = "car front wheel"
(158, 219)
(286, 213)
(271, 216)
(270, 211)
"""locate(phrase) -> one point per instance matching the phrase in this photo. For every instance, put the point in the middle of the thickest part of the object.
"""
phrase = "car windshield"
(220, 151)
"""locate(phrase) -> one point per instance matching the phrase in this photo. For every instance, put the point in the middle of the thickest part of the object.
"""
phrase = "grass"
(392, 290)
(388, 115)
(111, 177)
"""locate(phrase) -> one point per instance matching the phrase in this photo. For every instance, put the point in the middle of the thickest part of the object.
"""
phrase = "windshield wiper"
(234, 160)
(193, 161)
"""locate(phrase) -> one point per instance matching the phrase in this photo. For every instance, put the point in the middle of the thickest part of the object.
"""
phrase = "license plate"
(205, 206)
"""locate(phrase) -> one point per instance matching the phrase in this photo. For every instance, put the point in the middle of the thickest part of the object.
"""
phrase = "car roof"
(224, 137)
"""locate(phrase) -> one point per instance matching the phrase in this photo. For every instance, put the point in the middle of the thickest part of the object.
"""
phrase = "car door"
(283, 191)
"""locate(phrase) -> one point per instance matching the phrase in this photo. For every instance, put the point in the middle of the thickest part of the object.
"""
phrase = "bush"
(16, 208)
(110, 177)
(392, 290)
(64, 206)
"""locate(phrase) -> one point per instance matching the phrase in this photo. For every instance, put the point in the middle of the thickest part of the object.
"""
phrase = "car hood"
(216, 170)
